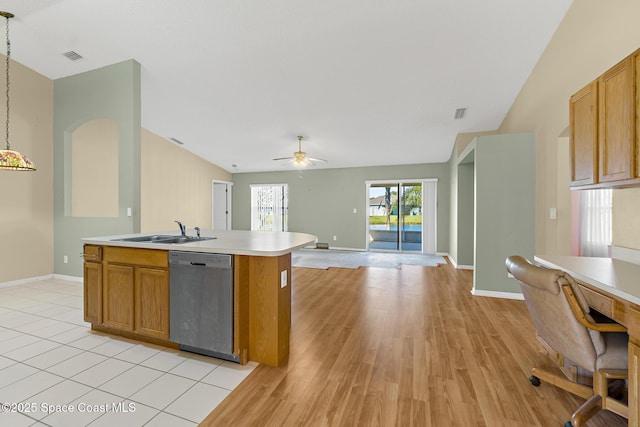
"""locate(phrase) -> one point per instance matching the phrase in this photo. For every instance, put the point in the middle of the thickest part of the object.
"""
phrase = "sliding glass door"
(396, 213)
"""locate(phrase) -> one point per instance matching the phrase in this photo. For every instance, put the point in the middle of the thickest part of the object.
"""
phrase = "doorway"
(221, 209)
(401, 216)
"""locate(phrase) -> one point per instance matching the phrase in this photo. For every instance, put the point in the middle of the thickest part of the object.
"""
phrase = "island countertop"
(235, 242)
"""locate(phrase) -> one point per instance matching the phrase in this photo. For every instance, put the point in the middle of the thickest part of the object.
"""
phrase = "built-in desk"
(612, 287)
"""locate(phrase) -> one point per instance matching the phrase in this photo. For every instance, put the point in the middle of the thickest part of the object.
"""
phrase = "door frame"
(216, 194)
(428, 206)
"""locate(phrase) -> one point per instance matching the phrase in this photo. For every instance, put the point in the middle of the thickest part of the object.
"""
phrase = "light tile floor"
(55, 371)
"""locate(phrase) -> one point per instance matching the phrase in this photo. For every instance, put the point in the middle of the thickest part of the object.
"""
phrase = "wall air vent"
(177, 141)
(74, 56)
(460, 112)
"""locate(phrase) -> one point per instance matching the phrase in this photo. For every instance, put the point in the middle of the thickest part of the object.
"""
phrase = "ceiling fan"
(300, 158)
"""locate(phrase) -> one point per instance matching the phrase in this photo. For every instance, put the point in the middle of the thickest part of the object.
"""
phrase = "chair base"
(594, 396)
(565, 384)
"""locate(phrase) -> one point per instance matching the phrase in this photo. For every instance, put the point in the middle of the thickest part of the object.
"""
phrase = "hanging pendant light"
(10, 159)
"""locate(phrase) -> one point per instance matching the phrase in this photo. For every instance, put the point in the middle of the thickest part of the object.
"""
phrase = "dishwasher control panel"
(200, 258)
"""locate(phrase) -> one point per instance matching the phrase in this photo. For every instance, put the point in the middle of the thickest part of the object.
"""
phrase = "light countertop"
(613, 276)
(235, 242)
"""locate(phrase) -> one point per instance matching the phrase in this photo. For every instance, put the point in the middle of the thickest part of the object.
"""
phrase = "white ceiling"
(366, 82)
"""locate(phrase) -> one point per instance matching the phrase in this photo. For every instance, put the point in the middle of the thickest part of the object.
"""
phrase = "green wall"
(494, 208)
(321, 201)
(110, 92)
(505, 207)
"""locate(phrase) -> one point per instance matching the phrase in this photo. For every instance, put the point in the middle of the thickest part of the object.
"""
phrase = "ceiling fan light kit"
(300, 158)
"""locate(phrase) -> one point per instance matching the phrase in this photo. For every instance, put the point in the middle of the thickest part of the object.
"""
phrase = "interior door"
(221, 209)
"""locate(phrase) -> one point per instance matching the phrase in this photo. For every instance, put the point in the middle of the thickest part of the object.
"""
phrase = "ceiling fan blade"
(313, 159)
(285, 158)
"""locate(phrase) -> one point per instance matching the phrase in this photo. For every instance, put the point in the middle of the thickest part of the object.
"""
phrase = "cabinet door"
(152, 302)
(616, 118)
(117, 295)
(583, 141)
(93, 292)
(634, 390)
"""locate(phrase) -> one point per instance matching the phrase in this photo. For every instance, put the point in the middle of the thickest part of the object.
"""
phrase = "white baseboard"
(69, 278)
(625, 254)
(459, 266)
(27, 280)
(39, 279)
(452, 261)
(497, 294)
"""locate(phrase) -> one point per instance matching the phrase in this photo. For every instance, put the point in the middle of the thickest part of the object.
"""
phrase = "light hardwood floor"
(401, 347)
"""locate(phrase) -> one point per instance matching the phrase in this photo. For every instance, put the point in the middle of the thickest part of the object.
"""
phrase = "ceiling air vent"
(74, 56)
(460, 113)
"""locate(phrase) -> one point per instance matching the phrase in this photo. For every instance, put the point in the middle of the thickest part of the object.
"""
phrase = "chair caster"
(535, 381)
(568, 424)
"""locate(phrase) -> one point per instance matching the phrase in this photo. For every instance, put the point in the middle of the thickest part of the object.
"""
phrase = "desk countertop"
(235, 242)
(619, 278)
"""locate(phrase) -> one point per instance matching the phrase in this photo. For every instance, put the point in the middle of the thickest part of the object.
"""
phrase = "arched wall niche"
(93, 154)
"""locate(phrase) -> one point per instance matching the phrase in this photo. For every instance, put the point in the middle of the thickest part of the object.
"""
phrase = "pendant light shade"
(11, 159)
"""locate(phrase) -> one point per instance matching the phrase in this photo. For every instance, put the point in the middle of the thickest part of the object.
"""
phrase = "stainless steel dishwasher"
(201, 305)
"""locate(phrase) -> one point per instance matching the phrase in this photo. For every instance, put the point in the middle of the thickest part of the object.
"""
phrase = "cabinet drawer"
(92, 253)
(137, 256)
(600, 302)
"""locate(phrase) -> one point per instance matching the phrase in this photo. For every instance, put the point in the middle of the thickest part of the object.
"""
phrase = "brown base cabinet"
(117, 297)
(127, 293)
(151, 310)
(93, 284)
(128, 290)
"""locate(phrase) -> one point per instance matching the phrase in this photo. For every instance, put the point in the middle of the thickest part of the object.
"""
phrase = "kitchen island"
(126, 287)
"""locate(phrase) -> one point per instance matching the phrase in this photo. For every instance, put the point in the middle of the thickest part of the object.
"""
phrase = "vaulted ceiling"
(365, 82)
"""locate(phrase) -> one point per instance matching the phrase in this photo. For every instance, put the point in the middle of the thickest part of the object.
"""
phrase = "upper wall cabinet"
(583, 114)
(603, 140)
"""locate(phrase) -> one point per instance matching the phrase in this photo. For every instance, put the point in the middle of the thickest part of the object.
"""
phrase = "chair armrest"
(580, 316)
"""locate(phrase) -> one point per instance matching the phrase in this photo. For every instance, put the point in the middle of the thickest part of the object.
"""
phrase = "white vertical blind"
(429, 215)
(595, 222)
(269, 207)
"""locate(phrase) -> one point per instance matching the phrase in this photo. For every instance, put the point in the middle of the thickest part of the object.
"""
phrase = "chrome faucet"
(197, 232)
(183, 228)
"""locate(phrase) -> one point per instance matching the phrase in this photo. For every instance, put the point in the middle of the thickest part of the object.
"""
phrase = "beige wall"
(176, 185)
(26, 203)
(593, 36)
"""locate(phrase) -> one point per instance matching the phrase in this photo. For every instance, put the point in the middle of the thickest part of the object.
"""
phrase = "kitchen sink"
(153, 238)
(162, 238)
(182, 239)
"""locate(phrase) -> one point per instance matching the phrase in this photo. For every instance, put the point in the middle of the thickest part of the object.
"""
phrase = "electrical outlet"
(66, 259)
(355, 210)
(335, 237)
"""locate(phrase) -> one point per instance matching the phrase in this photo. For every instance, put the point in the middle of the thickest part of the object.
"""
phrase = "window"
(269, 207)
(595, 222)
